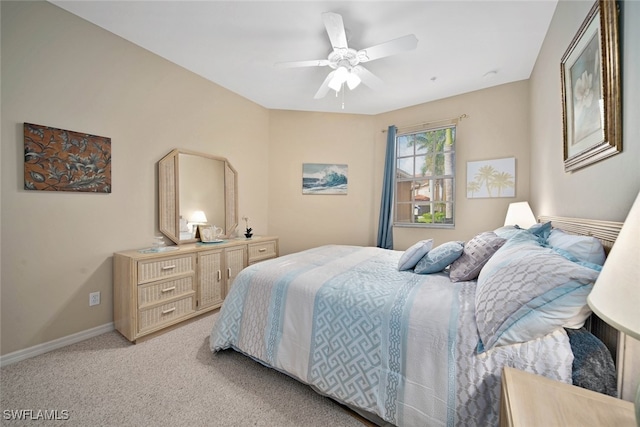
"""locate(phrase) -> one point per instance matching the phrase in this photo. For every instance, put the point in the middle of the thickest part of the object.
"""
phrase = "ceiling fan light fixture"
(341, 76)
(353, 80)
(345, 61)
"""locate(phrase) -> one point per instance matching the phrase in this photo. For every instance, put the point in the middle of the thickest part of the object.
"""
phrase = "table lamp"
(197, 218)
(615, 297)
(520, 214)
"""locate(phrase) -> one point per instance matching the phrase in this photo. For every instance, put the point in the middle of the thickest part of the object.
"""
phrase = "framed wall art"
(64, 160)
(491, 178)
(324, 178)
(591, 97)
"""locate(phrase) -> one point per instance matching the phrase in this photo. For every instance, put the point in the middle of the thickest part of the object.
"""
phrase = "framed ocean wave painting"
(591, 96)
(324, 178)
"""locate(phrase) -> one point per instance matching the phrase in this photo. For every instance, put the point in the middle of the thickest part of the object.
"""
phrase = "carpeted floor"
(169, 380)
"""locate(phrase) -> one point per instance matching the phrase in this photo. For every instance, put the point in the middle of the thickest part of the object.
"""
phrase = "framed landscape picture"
(590, 72)
(324, 178)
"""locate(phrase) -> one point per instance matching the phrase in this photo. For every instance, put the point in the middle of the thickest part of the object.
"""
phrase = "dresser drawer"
(159, 291)
(156, 316)
(262, 250)
(165, 267)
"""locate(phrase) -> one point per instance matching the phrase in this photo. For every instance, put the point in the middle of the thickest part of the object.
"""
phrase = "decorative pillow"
(584, 248)
(507, 231)
(477, 252)
(439, 258)
(526, 291)
(541, 230)
(411, 256)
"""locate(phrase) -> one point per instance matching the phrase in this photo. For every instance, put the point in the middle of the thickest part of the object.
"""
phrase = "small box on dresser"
(156, 290)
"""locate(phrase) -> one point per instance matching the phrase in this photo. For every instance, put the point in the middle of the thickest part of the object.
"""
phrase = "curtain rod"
(456, 119)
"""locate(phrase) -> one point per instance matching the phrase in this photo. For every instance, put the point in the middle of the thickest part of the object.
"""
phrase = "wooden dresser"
(529, 400)
(156, 290)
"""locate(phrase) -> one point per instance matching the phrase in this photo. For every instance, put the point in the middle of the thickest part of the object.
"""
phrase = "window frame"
(421, 179)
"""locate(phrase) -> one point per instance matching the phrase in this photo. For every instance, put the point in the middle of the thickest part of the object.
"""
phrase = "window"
(425, 178)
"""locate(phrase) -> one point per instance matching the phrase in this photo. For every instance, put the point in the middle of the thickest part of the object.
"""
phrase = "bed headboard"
(606, 232)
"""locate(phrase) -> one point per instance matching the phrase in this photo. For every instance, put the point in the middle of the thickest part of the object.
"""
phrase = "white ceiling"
(462, 45)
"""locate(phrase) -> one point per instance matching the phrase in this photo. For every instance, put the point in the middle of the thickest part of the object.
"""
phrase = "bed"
(420, 337)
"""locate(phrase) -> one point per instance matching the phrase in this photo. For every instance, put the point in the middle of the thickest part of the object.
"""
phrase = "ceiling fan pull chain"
(342, 95)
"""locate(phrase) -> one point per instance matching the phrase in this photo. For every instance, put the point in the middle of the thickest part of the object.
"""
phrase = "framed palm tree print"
(491, 178)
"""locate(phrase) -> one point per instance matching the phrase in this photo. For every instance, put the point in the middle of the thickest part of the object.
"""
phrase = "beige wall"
(605, 190)
(496, 127)
(304, 221)
(61, 71)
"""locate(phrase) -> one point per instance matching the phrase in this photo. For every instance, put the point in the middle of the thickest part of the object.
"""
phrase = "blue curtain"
(385, 225)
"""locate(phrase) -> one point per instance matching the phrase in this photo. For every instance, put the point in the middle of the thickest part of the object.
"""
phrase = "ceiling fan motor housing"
(343, 57)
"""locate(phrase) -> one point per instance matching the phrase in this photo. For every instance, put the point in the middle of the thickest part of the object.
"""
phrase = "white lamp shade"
(353, 80)
(615, 297)
(339, 78)
(198, 217)
(520, 214)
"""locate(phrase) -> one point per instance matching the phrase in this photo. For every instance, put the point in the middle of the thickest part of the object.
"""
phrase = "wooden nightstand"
(533, 400)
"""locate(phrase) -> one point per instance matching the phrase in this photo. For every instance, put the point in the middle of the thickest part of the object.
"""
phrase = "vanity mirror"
(196, 189)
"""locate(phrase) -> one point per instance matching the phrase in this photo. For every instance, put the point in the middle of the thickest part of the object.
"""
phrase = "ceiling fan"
(346, 61)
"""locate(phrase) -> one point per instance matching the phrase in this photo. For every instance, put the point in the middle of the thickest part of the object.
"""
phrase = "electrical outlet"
(94, 298)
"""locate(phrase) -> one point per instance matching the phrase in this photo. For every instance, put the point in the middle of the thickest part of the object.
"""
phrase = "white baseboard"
(46, 347)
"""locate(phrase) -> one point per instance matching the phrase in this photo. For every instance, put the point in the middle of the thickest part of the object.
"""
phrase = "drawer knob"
(173, 288)
(172, 309)
(168, 267)
(262, 250)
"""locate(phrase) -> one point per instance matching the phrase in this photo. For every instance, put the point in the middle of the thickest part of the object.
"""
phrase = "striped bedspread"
(395, 344)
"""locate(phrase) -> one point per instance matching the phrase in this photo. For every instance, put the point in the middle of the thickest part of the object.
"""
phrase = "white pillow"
(411, 256)
(584, 248)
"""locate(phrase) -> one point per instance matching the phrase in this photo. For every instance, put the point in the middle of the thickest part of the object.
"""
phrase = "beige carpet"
(170, 380)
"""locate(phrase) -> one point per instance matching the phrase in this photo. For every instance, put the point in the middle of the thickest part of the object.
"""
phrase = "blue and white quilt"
(393, 343)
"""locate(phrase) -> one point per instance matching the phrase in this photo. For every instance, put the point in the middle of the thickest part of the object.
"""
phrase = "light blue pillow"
(526, 291)
(541, 230)
(411, 256)
(584, 248)
(439, 258)
(507, 231)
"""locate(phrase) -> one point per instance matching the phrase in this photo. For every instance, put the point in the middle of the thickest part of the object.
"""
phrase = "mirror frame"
(169, 195)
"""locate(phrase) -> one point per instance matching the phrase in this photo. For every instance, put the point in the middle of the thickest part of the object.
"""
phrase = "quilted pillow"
(526, 291)
(411, 256)
(584, 248)
(439, 258)
(477, 252)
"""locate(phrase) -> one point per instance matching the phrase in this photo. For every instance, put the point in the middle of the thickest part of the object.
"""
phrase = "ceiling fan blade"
(297, 64)
(392, 47)
(335, 29)
(324, 88)
(367, 77)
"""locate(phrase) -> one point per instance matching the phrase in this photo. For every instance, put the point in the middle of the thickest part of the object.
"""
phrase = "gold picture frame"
(591, 96)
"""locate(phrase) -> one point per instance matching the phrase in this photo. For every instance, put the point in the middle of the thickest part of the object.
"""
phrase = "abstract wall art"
(64, 160)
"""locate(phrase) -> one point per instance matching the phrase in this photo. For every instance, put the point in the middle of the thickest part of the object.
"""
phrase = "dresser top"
(146, 253)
